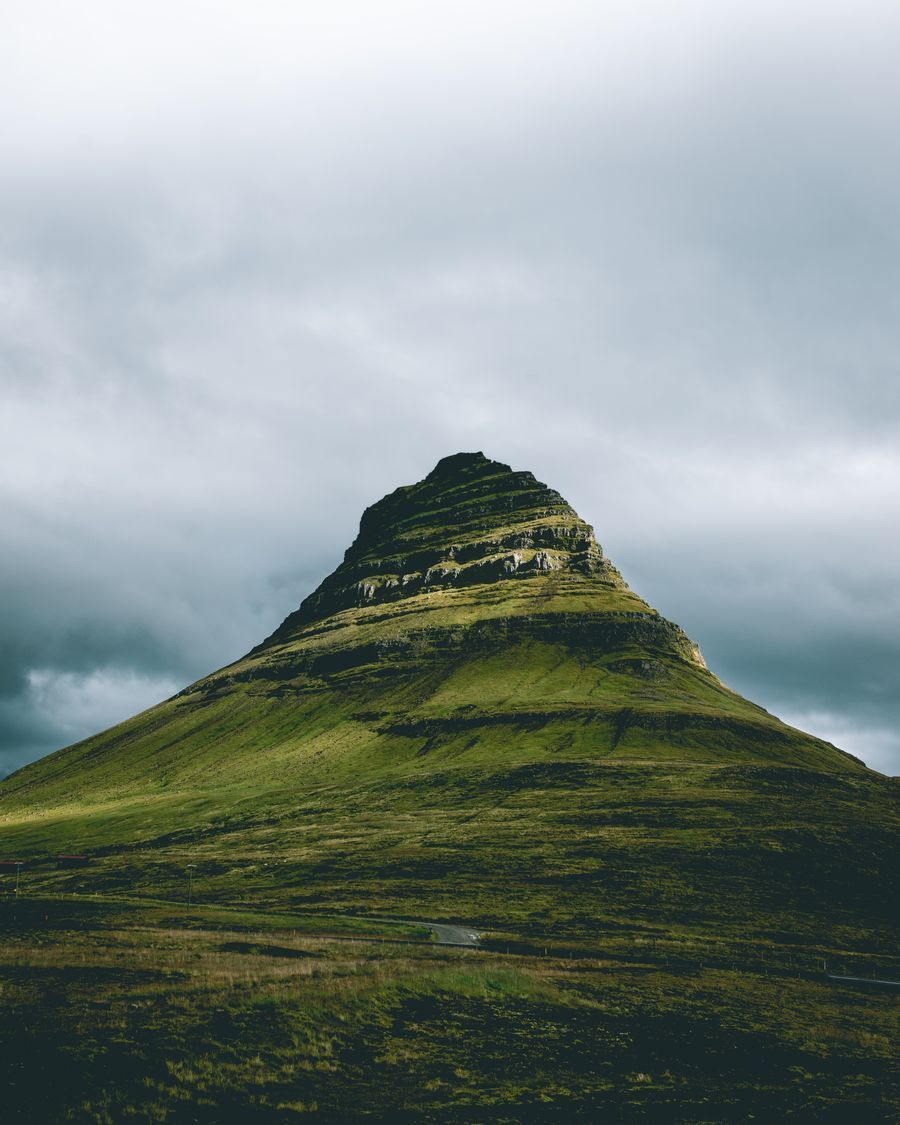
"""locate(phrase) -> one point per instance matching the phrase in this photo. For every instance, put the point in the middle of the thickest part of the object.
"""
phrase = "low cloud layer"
(256, 273)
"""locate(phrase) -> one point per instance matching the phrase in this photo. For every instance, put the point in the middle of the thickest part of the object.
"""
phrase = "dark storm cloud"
(254, 273)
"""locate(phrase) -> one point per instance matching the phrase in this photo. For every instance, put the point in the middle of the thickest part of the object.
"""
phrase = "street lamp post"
(190, 868)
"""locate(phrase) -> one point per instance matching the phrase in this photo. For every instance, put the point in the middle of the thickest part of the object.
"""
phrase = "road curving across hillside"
(454, 935)
(444, 933)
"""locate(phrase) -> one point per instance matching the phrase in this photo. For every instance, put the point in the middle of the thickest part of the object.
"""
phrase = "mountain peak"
(457, 463)
(470, 521)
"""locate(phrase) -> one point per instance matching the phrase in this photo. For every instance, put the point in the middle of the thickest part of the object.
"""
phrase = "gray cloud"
(254, 274)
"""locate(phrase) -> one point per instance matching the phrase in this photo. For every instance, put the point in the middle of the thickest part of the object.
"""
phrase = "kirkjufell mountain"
(473, 716)
(654, 900)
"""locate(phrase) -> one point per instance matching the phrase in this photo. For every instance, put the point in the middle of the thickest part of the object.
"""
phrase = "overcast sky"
(262, 263)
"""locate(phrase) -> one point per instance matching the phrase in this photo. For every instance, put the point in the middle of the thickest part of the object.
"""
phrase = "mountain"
(475, 718)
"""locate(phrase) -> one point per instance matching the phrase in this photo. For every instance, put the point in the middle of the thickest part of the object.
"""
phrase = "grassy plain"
(113, 1012)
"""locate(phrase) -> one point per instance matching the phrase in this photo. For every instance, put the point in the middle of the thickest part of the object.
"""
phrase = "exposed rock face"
(470, 521)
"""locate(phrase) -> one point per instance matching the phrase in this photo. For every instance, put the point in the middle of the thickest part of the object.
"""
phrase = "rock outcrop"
(471, 521)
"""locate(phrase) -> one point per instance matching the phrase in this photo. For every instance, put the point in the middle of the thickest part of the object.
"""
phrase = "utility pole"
(18, 871)
(190, 868)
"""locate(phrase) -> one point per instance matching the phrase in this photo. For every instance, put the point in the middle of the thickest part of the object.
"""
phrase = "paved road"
(866, 980)
(444, 933)
(453, 935)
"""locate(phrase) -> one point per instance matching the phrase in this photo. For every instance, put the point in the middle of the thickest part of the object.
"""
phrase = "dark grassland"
(111, 1012)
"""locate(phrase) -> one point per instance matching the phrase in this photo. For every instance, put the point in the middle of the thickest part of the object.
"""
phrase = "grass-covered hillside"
(474, 718)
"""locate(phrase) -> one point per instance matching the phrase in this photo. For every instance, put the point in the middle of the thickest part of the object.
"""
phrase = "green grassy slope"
(475, 718)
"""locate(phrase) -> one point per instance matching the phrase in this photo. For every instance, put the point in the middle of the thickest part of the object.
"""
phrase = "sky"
(262, 263)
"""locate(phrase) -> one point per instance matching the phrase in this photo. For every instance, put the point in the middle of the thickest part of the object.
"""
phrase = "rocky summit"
(471, 521)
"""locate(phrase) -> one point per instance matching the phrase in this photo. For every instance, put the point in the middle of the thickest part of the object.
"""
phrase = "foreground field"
(117, 1011)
